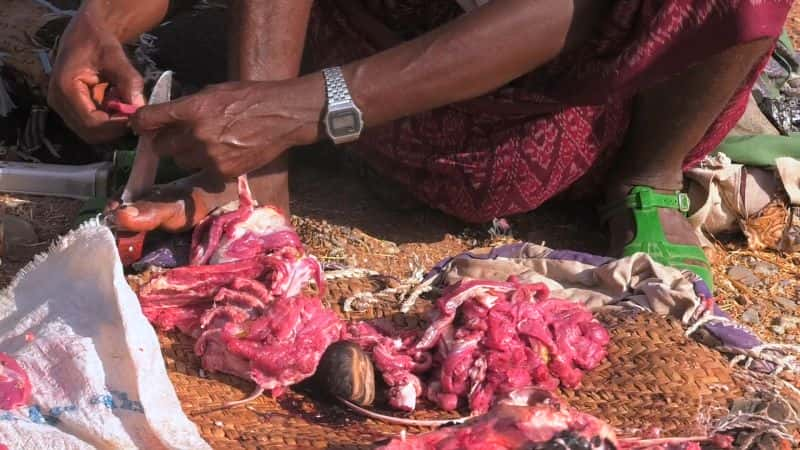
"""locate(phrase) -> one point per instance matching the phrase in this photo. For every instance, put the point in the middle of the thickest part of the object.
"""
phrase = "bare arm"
(469, 56)
(124, 18)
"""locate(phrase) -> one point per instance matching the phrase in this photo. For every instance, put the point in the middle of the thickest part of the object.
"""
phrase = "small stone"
(786, 304)
(780, 325)
(742, 300)
(743, 275)
(765, 268)
(751, 316)
(390, 248)
(791, 322)
(779, 411)
(777, 329)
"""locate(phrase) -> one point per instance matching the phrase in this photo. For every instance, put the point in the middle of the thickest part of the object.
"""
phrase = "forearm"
(467, 57)
(124, 18)
(267, 38)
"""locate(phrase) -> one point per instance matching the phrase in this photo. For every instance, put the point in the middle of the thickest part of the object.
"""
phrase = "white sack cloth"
(99, 379)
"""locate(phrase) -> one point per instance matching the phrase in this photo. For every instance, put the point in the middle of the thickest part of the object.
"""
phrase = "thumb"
(127, 80)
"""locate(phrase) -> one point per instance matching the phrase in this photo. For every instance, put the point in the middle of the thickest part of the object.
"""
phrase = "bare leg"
(668, 121)
(255, 49)
(265, 42)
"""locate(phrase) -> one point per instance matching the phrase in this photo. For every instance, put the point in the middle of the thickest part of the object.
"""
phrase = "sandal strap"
(650, 238)
(644, 198)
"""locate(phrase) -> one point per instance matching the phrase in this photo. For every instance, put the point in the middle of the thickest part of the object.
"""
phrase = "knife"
(145, 163)
(55, 180)
(142, 176)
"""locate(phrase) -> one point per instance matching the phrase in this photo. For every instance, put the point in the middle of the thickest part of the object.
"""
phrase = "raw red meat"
(487, 339)
(396, 357)
(244, 233)
(529, 419)
(15, 387)
(117, 107)
(284, 345)
(107, 99)
(242, 298)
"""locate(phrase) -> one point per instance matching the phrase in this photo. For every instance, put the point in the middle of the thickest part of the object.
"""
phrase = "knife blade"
(142, 177)
(145, 163)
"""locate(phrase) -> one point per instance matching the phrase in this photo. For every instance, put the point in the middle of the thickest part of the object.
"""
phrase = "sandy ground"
(349, 225)
(793, 23)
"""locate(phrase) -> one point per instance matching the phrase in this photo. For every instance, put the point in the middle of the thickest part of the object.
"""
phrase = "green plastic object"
(650, 238)
(760, 150)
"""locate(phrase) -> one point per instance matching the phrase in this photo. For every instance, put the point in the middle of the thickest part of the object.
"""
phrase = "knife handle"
(130, 246)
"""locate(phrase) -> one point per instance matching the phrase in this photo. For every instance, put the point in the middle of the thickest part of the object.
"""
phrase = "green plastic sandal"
(644, 202)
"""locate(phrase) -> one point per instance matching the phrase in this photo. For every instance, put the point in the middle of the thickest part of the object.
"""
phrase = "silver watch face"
(344, 124)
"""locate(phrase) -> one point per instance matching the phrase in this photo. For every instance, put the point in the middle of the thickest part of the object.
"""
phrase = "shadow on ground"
(324, 188)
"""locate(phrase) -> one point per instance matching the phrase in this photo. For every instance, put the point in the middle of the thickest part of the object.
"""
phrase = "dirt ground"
(346, 224)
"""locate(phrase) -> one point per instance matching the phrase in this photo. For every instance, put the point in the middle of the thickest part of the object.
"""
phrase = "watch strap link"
(336, 86)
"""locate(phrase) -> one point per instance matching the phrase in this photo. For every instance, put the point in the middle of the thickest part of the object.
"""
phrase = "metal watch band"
(336, 86)
(343, 119)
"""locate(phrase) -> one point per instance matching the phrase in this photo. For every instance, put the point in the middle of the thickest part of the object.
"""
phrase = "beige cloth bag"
(731, 197)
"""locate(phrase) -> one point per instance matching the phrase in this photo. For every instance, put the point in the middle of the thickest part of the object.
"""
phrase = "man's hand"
(89, 55)
(233, 128)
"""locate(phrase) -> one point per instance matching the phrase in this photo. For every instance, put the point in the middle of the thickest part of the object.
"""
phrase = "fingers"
(148, 216)
(82, 115)
(171, 208)
(180, 143)
(127, 80)
(71, 96)
(153, 117)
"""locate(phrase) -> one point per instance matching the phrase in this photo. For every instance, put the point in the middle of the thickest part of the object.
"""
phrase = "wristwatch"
(343, 120)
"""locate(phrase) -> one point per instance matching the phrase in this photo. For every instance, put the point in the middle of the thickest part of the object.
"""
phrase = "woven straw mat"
(654, 376)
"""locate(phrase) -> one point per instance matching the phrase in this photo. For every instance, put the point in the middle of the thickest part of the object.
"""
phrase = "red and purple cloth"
(511, 150)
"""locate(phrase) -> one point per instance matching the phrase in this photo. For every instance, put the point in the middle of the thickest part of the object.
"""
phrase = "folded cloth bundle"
(761, 202)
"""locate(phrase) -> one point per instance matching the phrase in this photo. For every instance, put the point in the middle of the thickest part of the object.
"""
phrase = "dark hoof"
(347, 372)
